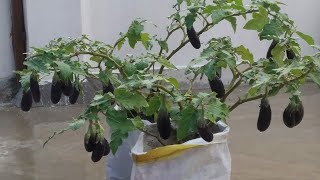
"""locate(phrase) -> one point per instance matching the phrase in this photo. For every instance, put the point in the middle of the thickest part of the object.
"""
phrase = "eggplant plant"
(139, 92)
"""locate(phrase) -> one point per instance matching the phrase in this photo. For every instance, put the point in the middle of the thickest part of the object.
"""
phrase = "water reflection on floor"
(278, 154)
(23, 158)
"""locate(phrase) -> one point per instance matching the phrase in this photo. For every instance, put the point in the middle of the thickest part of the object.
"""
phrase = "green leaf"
(209, 9)
(259, 20)
(164, 45)
(315, 76)
(97, 59)
(164, 62)
(129, 68)
(229, 58)
(211, 69)
(278, 53)
(274, 7)
(190, 19)
(174, 82)
(65, 70)
(308, 39)
(117, 120)
(117, 138)
(120, 43)
(179, 1)
(25, 80)
(187, 122)
(154, 104)
(216, 109)
(130, 100)
(218, 15)
(245, 54)
(145, 40)
(272, 30)
(120, 127)
(37, 64)
(138, 123)
(134, 33)
(77, 124)
(103, 78)
(233, 22)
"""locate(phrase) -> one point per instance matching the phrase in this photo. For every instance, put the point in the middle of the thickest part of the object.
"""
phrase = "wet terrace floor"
(278, 154)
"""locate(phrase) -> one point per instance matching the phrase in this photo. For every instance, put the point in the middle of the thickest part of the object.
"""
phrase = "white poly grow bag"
(193, 160)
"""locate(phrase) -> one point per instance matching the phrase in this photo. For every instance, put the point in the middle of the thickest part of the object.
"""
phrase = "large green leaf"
(260, 19)
(65, 70)
(272, 30)
(306, 38)
(190, 19)
(130, 100)
(154, 104)
(315, 76)
(25, 80)
(187, 122)
(35, 64)
(278, 53)
(216, 110)
(164, 62)
(245, 54)
(134, 33)
(174, 82)
(233, 22)
(120, 127)
(145, 39)
(219, 15)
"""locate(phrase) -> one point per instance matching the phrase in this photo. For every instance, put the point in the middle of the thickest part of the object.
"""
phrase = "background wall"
(104, 19)
(6, 54)
(109, 17)
(47, 19)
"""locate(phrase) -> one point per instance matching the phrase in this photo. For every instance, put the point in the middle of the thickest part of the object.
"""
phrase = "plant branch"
(232, 89)
(241, 101)
(169, 92)
(155, 136)
(204, 29)
(119, 67)
(116, 44)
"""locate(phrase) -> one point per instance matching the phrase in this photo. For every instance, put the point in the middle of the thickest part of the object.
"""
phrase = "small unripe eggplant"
(205, 134)
(26, 101)
(217, 86)
(34, 87)
(56, 91)
(67, 88)
(293, 114)
(89, 142)
(290, 54)
(98, 151)
(163, 122)
(74, 97)
(271, 47)
(106, 148)
(265, 115)
(193, 37)
(108, 88)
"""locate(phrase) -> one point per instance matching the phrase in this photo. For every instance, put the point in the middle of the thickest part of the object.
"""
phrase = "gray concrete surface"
(278, 154)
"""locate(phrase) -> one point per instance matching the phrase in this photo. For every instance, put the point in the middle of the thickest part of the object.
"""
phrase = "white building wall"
(109, 17)
(104, 19)
(49, 19)
(7, 64)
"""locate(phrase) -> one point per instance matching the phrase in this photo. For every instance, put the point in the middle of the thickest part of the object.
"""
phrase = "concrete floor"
(278, 154)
